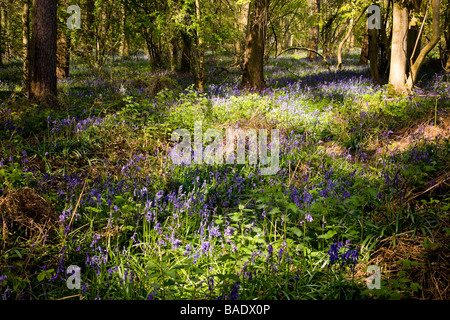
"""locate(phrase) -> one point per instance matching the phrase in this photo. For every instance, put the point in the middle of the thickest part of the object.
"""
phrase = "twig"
(442, 180)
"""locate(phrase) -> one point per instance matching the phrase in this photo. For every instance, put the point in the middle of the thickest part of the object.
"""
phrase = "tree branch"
(350, 29)
(436, 35)
(305, 49)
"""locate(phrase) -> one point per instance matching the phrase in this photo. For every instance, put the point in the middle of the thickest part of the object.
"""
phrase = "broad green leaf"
(328, 235)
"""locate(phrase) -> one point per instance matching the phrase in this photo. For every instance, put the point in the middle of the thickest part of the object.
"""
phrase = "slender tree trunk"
(2, 38)
(89, 31)
(243, 30)
(349, 44)
(4, 35)
(286, 35)
(436, 36)
(414, 37)
(26, 46)
(397, 72)
(63, 47)
(63, 55)
(349, 33)
(385, 51)
(446, 51)
(200, 79)
(253, 74)
(173, 54)
(280, 38)
(314, 42)
(352, 40)
(373, 55)
(364, 57)
(186, 53)
(124, 49)
(43, 52)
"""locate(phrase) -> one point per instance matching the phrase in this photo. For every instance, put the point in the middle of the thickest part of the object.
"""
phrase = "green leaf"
(296, 231)
(171, 274)
(41, 276)
(416, 287)
(274, 210)
(328, 235)
(292, 207)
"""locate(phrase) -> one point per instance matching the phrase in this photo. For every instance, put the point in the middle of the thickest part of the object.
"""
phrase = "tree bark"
(124, 49)
(63, 47)
(314, 42)
(253, 74)
(173, 54)
(397, 72)
(243, 30)
(185, 53)
(436, 36)
(3, 35)
(414, 36)
(43, 53)
(89, 31)
(373, 55)
(1, 39)
(200, 74)
(364, 57)
(446, 51)
(26, 46)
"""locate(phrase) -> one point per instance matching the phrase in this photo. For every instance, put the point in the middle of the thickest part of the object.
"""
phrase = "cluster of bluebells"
(233, 294)
(340, 252)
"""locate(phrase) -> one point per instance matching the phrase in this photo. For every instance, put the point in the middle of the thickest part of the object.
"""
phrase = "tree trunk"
(243, 28)
(63, 48)
(124, 49)
(26, 46)
(384, 44)
(373, 55)
(446, 51)
(3, 35)
(349, 33)
(414, 36)
(63, 56)
(200, 74)
(314, 42)
(173, 54)
(90, 32)
(398, 66)
(436, 36)
(2, 39)
(364, 57)
(253, 74)
(349, 44)
(43, 53)
(186, 52)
